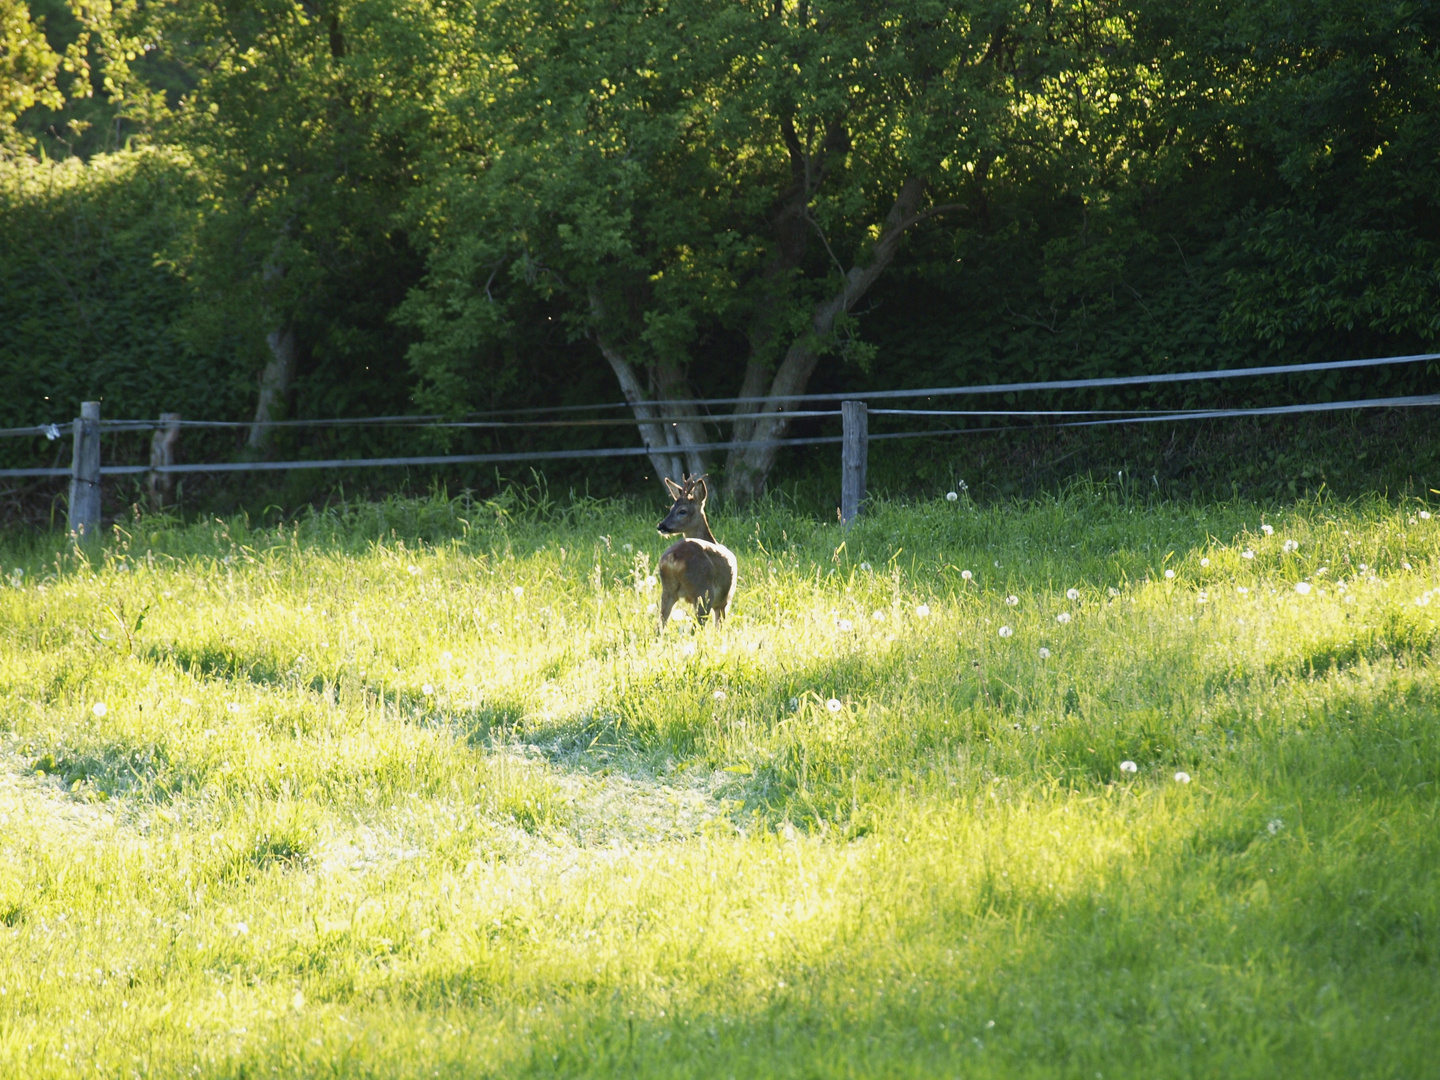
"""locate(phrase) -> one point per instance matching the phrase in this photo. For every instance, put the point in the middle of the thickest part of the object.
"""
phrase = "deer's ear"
(700, 491)
(672, 487)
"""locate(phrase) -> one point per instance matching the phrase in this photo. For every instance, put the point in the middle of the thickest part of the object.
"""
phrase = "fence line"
(53, 431)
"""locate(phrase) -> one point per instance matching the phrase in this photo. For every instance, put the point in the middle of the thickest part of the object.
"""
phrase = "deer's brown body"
(696, 569)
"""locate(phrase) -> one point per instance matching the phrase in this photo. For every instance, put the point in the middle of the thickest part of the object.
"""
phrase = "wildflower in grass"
(1201, 596)
(1424, 515)
(1044, 653)
(966, 575)
(650, 609)
(1112, 591)
(865, 566)
(1005, 631)
(241, 929)
(446, 657)
(1364, 567)
(1268, 530)
(1322, 570)
(719, 695)
(845, 625)
(627, 547)
(1012, 600)
(1274, 825)
(187, 701)
(688, 649)
(1247, 554)
(1169, 574)
(951, 496)
(1349, 598)
(1290, 545)
(1072, 594)
(519, 591)
(1406, 566)
(1128, 766)
(1182, 778)
(413, 569)
(1204, 562)
(232, 706)
(922, 610)
(877, 616)
(794, 703)
(427, 689)
(1063, 618)
(1241, 589)
(834, 705)
(100, 708)
(1303, 588)
(650, 581)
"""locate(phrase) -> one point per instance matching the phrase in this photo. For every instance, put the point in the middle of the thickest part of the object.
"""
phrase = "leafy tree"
(28, 67)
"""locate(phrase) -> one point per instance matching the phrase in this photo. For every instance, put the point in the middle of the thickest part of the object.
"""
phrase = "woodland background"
(369, 207)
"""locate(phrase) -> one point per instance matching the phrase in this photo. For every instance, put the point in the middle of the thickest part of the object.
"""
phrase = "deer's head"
(687, 515)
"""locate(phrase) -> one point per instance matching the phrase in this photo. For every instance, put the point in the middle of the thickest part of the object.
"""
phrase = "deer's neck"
(700, 531)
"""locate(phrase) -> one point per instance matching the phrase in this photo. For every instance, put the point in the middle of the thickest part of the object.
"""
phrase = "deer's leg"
(667, 601)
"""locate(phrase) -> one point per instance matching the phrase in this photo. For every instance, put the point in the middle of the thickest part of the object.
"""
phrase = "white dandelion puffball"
(413, 569)
(1364, 567)
(1268, 530)
(427, 689)
(1424, 515)
(922, 610)
(1406, 566)
(834, 704)
(951, 496)
(719, 695)
(100, 708)
(845, 624)
(650, 581)
(865, 566)
(519, 591)
(1204, 562)
(1005, 631)
(627, 547)
(1044, 653)
(1112, 591)
(688, 649)
(1241, 589)
(1302, 587)
(1012, 600)
(877, 616)
(1201, 596)
(1169, 574)
(1247, 554)
(1072, 594)
(1128, 766)
(966, 575)
(241, 929)
(232, 706)
(1182, 777)
(1274, 825)
(1063, 618)
(1290, 545)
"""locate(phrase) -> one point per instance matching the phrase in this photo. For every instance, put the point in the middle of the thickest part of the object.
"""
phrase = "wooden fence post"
(163, 446)
(854, 454)
(84, 517)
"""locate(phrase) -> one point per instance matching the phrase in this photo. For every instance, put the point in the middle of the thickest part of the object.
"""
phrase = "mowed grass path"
(416, 789)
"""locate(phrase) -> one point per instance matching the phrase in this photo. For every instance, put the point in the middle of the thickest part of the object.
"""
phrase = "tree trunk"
(748, 467)
(275, 382)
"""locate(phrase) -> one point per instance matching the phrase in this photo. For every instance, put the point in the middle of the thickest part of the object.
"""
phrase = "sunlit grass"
(418, 788)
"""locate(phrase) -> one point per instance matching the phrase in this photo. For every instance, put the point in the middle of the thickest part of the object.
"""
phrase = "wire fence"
(773, 408)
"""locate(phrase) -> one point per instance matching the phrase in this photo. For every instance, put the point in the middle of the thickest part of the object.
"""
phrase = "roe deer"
(695, 568)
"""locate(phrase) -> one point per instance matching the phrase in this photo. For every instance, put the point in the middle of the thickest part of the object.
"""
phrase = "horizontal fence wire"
(475, 420)
(1411, 401)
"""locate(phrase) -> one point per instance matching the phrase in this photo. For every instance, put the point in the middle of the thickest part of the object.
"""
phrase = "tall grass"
(1068, 787)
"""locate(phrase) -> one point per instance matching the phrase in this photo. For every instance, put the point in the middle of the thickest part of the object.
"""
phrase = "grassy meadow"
(1085, 786)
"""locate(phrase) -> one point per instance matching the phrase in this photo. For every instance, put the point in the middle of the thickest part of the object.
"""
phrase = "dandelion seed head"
(1128, 766)
(627, 547)
(1005, 631)
(1268, 530)
(241, 929)
(951, 496)
(865, 566)
(650, 581)
(834, 705)
(1072, 594)
(1241, 589)
(1406, 566)
(427, 689)
(1063, 618)
(719, 695)
(99, 708)
(1044, 653)
(922, 610)
(877, 616)
(794, 703)
(1204, 562)
(1201, 596)
(966, 575)
(1424, 515)
(413, 569)
(1112, 591)
(518, 591)
(1182, 777)
(1290, 545)
(1012, 600)
(1303, 588)
(844, 624)
(1169, 574)
(1274, 825)
(1364, 567)
(1247, 554)
(232, 706)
